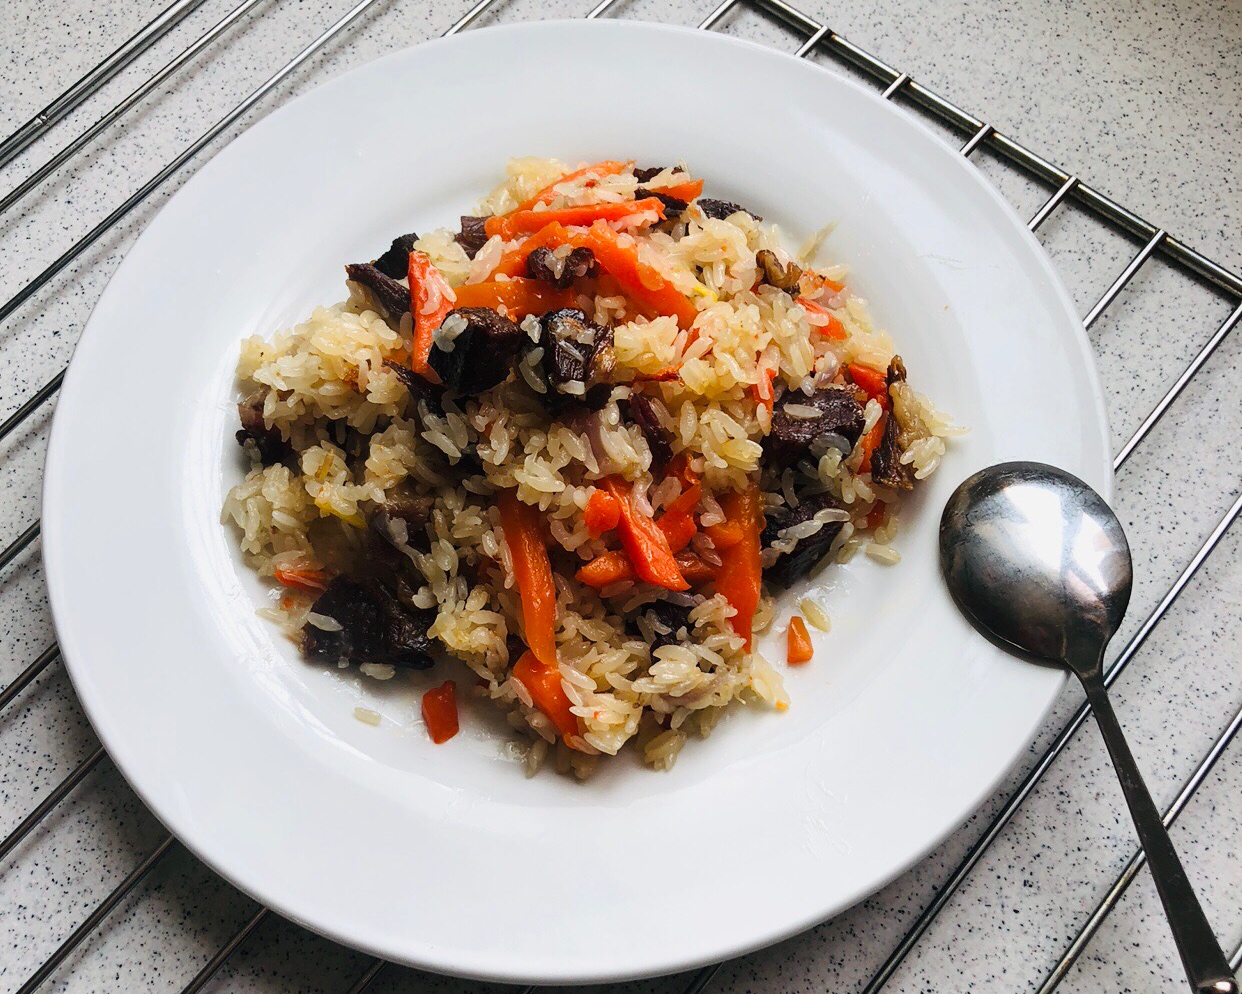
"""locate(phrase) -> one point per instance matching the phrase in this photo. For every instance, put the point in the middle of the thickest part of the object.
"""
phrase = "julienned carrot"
(440, 712)
(533, 571)
(724, 535)
(677, 522)
(599, 170)
(518, 296)
(431, 298)
(875, 517)
(798, 646)
(741, 573)
(601, 514)
(513, 262)
(614, 567)
(605, 570)
(543, 682)
(645, 544)
(511, 225)
(833, 329)
(642, 282)
(665, 375)
(872, 381)
(813, 281)
(680, 467)
(870, 442)
(313, 580)
(762, 391)
(686, 190)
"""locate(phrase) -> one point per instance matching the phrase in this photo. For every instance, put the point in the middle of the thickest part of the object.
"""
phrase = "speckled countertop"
(1141, 99)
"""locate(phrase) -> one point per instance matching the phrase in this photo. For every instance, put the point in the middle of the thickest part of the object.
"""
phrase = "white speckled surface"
(1140, 99)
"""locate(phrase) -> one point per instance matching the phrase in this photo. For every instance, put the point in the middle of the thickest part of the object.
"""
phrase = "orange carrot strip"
(601, 514)
(871, 442)
(599, 169)
(513, 262)
(642, 282)
(834, 329)
(741, 574)
(686, 190)
(724, 535)
(440, 712)
(543, 682)
(314, 580)
(511, 225)
(518, 296)
(521, 525)
(799, 648)
(763, 393)
(605, 570)
(875, 517)
(660, 376)
(426, 284)
(872, 381)
(677, 522)
(645, 544)
(695, 569)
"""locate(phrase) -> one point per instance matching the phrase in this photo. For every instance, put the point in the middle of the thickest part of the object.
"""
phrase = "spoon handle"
(1205, 963)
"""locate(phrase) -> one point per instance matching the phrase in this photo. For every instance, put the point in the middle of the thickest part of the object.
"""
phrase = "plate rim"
(75, 651)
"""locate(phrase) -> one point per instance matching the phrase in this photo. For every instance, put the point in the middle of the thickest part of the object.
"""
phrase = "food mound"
(575, 445)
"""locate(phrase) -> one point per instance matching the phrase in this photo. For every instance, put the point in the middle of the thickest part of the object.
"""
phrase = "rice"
(366, 460)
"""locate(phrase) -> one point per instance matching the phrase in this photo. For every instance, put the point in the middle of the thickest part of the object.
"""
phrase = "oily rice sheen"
(573, 447)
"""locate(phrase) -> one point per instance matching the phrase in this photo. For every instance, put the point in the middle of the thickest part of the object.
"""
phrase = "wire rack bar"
(213, 965)
(1178, 386)
(14, 548)
(136, 876)
(1098, 203)
(58, 794)
(372, 973)
(86, 87)
(1139, 859)
(1121, 281)
(1032, 779)
(40, 397)
(1235, 961)
(724, 8)
(208, 136)
(1052, 203)
(23, 679)
(108, 119)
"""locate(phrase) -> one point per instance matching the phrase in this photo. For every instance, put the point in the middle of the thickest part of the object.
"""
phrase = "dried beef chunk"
(542, 264)
(577, 359)
(473, 234)
(721, 209)
(659, 439)
(790, 438)
(671, 623)
(481, 355)
(396, 261)
(646, 173)
(792, 566)
(419, 388)
(375, 626)
(384, 293)
(413, 510)
(783, 276)
(603, 363)
(673, 207)
(886, 465)
(268, 442)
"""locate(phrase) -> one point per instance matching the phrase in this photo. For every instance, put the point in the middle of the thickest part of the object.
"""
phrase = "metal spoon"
(1040, 565)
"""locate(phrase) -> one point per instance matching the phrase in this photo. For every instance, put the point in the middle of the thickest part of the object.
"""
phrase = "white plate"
(445, 857)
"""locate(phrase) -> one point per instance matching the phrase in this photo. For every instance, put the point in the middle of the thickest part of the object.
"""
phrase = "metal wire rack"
(814, 40)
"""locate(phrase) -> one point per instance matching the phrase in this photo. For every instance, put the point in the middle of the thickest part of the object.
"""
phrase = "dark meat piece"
(385, 294)
(783, 277)
(269, 442)
(542, 264)
(420, 389)
(575, 350)
(375, 627)
(480, 356)
(886, 465)
(790, 438)
(673, 207)
(645, 174)
(791, 566)
(472, 236)
(404, 504)
(396, 261)
(721, 209)
(659, 440)
(673, 617)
